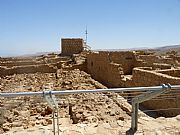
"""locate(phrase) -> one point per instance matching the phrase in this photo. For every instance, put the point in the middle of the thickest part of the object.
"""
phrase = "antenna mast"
(86, 35)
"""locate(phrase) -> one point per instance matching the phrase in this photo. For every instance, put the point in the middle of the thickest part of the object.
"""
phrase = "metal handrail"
(65, 92)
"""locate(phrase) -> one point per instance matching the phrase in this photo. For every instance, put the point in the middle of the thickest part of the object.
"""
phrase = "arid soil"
(86, 108)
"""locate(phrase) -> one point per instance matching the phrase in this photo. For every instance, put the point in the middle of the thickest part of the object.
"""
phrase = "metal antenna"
(86, 35)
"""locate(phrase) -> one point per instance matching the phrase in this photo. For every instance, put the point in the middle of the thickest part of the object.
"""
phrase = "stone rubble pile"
(27, 112)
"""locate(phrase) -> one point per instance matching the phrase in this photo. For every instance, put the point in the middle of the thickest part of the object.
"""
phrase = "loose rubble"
(85, 108)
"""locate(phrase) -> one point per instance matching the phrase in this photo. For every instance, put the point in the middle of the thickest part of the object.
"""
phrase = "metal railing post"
(54, 106)
(141, 98)
(54, 127)
(134, 121)
(57, 110)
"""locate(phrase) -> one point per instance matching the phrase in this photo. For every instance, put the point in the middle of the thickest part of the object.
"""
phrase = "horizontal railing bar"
(65, 92)
(21, 94)
(162, 109)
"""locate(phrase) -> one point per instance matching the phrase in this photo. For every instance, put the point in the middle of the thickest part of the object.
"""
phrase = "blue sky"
(29, 26)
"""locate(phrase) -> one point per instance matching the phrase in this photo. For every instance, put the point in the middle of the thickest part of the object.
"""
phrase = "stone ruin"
(70, 46)
(111, 68)
(132, 69)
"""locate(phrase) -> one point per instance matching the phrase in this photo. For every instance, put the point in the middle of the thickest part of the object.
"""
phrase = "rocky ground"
(27, 112)
(147, 126)
(82, 114)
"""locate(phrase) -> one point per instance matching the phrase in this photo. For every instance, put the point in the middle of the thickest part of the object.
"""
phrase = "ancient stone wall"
(154, 66)
(21, 63)
(110, 68)
(16, 59)
(81, 67)
(103, 69)
(148, 77)
(27, 69)
(177, 58)
(55, 60)
(170, 72)
(142, 77)
(127, 60)
(33, 62)
(150, 59)
(71, 46)
(123, 69)
(44, 64)
(160, 66)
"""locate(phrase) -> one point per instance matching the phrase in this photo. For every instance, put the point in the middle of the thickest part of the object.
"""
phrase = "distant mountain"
(37, 54)
(157, 50)
(120, 50)
(169, 47)
(165, 49)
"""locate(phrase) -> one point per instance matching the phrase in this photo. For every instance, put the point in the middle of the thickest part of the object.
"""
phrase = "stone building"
(70, 46)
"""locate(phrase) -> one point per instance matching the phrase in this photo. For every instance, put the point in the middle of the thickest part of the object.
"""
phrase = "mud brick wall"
(71, 46)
